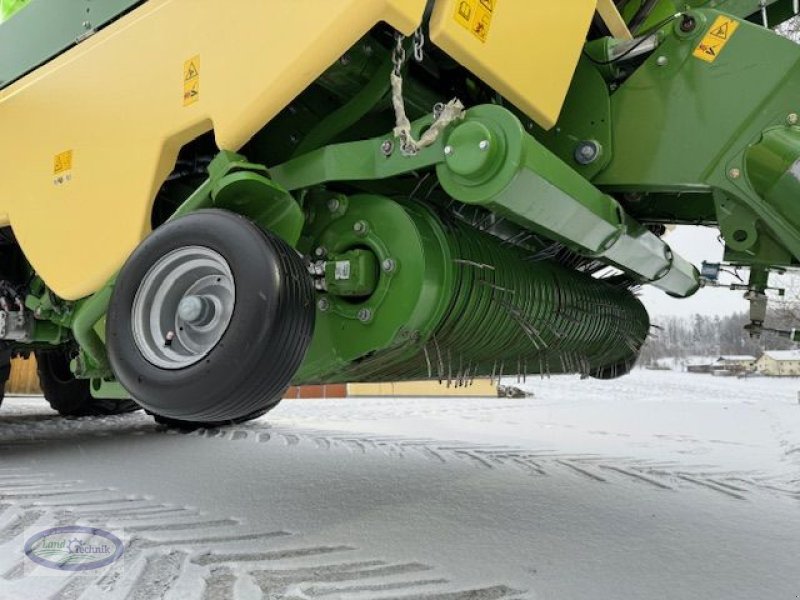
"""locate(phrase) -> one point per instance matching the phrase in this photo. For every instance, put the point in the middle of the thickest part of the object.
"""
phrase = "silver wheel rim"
(183, 307)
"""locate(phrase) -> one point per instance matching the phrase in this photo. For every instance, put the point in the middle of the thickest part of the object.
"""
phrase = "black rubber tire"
(249, 369)
(69, 396)
(192, 425)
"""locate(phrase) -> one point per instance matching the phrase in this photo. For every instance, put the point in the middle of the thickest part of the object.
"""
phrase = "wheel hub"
(196, 309)
(183, 307)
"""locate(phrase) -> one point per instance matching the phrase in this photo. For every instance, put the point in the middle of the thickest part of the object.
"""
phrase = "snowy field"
(657, 485)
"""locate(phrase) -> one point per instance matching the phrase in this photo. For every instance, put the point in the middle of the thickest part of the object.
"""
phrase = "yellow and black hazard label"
(476, 16)
(716, 38)
(62, 167)
(191, 81)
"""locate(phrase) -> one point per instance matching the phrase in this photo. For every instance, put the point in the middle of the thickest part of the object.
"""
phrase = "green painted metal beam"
(683, 126)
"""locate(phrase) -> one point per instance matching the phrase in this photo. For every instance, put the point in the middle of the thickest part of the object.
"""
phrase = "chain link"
(399, 54)
(419, 45)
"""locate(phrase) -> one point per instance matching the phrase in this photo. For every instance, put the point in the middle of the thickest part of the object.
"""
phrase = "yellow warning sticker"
(62, 167)
(191, 81)
(476, 16)
(714, 41)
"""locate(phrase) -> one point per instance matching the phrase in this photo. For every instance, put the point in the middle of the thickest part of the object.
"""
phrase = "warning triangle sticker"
(721, 32)
(191, 72)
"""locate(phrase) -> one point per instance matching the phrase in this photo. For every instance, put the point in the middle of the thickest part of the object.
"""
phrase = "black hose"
(641, 15)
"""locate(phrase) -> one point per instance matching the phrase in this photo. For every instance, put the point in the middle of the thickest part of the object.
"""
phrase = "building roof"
(735, 357)
(782, 355)
(700, 360)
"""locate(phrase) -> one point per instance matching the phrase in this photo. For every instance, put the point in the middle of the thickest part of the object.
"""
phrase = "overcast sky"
(695, 244)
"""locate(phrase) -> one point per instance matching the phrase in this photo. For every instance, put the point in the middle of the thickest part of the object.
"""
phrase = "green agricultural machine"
(204, 203)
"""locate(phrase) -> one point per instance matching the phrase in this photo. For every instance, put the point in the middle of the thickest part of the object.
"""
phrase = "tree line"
(712, 336)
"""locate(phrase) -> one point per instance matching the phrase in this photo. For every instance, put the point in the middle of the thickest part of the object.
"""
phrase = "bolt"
(484, 145)
(365, 315)
(734, 173)
(387, 148)
(169, 338)
(662, 61)
(87, 25)
(792, 119)
(360, 227)
(323, 304)
(389, 265)
(587, 152)
(320, 252)
(448, 150)
(333, 204)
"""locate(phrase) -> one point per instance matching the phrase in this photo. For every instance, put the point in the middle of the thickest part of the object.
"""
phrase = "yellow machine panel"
(526, 50)
(88, 139)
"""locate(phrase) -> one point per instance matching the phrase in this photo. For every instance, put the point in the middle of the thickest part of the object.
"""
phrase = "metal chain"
(398, 54)
(444, 114)
(419, 45)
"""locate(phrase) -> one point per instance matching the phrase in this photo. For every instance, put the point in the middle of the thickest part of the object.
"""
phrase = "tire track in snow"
(610, 470)
(159, 555)
(158, 575)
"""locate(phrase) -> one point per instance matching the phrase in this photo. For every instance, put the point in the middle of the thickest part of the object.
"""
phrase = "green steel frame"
(660, 138)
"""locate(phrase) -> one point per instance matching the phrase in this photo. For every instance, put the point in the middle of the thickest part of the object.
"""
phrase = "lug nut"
(323, 304)
(484, 145)
(360, 227)
(734, 173)
(333, 204)
(387, 148)
(389, 265)
(365, 315)
(320, 252)
(448, 150)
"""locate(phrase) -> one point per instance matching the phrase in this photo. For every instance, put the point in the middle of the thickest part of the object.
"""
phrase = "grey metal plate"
(46, 28)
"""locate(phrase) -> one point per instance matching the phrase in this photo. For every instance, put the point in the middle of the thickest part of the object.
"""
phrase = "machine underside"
(421, 222)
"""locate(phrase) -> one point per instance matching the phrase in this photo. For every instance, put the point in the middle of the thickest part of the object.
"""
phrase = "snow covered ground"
(657, 485)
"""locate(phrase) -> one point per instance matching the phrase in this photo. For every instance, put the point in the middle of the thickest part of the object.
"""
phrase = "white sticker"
(342, 269)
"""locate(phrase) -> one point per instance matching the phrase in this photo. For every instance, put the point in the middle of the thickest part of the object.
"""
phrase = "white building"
(779, 363)
(733, 364)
